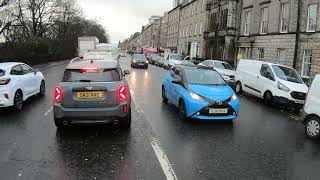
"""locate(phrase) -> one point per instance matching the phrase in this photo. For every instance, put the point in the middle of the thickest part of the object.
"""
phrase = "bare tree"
(6, 18)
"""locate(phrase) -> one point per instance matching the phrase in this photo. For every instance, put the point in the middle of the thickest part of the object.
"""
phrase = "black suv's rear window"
(2, 72)
(77, 75)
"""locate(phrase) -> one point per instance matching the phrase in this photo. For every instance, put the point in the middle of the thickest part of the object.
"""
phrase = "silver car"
(93, 92)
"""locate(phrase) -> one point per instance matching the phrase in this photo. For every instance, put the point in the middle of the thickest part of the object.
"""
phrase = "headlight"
(195, 96)
(147, 62)
(283, 87)
(134, 61)
(234, 97)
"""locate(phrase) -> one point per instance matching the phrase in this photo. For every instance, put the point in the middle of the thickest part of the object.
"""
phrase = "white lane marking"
(162, 157)
(49, 111)
(163, 160)
(296, 118)
(138, 108)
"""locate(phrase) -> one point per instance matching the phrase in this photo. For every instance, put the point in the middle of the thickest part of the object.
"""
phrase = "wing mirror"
(126, 72)
(36, 71)
(176, 81)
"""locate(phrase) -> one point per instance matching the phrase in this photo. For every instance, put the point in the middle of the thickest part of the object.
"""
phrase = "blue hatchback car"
(200, 93)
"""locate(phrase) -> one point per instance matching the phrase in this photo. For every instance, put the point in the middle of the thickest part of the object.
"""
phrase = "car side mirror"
(126, 72)
(36, 71)
(176, 81)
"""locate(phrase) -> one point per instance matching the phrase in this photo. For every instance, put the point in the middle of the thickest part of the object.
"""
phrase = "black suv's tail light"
(58, 95)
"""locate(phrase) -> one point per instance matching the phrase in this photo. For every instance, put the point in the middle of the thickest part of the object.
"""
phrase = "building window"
(306, 64)
(260, 53)
(284, 17)
(203, 5)
(312, 17)
(190, 33)
(195, 29)
(187, 30)
(200, 29)
(199, 6)
(247, 23)
(194, 8)
(264, 20)
(281, 56)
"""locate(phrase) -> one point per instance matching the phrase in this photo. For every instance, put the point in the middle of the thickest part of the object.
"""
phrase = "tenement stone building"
(222, 29)
(191, 26)
(173, 28)
(281, 31)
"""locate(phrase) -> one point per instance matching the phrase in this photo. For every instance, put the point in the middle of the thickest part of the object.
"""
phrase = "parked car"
(159, 61)
(224, 68)
(199, 93)
(195, 60)
(190, 63)
(272, 82)
(92, 92)
(172, 59)
(139, 60)
(18, 82)
(311, 115)
(152, 58)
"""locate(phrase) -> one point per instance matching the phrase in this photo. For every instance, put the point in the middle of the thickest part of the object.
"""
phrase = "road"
(263, 143)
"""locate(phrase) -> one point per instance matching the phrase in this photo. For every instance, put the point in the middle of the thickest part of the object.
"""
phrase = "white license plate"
(218, 111)
(300, 101)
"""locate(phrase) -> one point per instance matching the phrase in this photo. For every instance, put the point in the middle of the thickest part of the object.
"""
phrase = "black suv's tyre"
(125, 123)
(59, 124)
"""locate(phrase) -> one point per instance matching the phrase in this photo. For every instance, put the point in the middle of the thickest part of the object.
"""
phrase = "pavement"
(263, 143)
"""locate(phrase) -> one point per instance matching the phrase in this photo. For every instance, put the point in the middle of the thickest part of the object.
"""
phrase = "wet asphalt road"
(263, 143)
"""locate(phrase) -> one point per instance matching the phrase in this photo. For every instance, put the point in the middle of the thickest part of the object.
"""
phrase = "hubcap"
(313, 128)
(238, 87)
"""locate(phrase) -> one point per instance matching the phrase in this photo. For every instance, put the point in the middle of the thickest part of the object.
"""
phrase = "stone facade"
(191, 26)
(277, 31)
(282, 42)
(163, 31)
(222, 28)
(173, 28)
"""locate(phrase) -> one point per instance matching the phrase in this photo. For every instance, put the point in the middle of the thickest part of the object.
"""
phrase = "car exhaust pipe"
(65, 123)
(115, 122)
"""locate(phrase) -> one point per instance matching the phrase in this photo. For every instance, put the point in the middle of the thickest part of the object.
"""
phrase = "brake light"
(89, 70)
(58, 94)
(4, 81)
(122, 93)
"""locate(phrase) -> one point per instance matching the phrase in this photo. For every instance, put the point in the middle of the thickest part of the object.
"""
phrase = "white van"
(271, 82)
(311, 118)
(172, 59)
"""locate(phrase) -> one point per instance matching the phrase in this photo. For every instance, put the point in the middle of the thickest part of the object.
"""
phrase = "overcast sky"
(124, 17)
